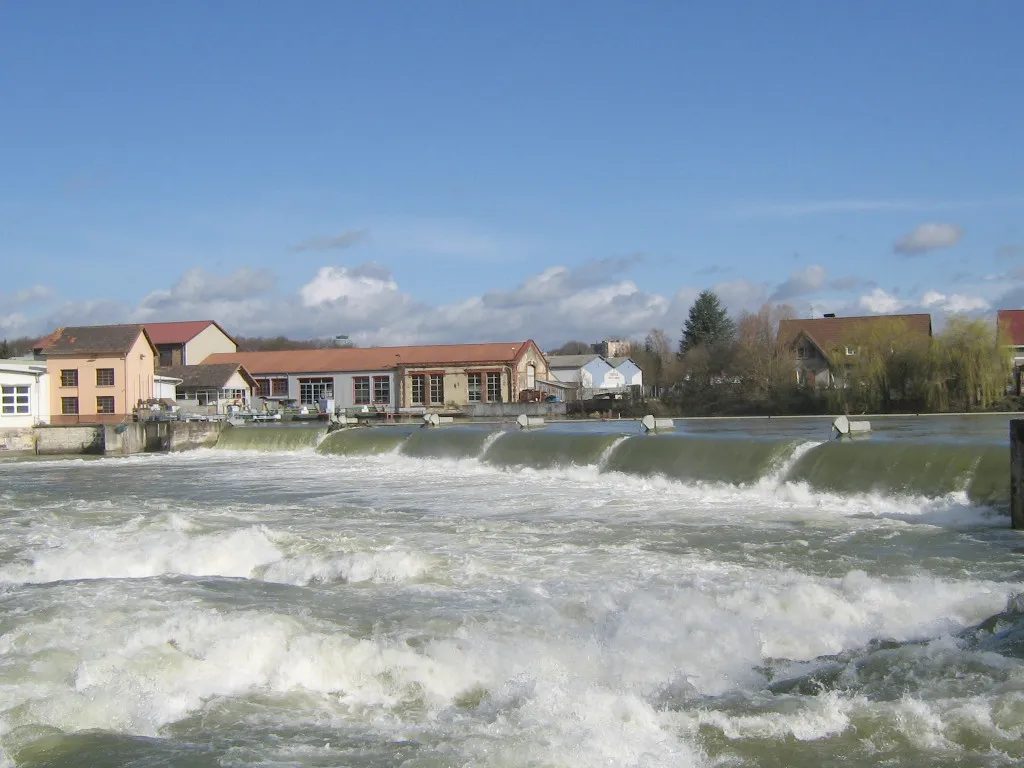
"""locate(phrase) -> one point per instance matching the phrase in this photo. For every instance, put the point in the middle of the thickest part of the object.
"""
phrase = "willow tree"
(879, 366)
(972, 367)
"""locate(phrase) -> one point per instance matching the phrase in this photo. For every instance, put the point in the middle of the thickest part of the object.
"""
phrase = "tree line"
(743, 366)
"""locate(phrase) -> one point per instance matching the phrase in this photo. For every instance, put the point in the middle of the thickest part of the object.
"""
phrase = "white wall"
(14, 374)
(631, 373)
(209, 340)
(580, 376)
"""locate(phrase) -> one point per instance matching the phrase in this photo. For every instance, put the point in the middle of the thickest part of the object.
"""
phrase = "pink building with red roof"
(189, 342)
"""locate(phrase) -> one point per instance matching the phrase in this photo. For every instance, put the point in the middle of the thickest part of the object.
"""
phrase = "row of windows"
(69, 405)
(272, 387)
(104, 377)
(14, 400)
(381, 391)
(476, 387)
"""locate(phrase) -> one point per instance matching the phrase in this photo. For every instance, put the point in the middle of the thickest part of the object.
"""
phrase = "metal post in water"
(1017, 473)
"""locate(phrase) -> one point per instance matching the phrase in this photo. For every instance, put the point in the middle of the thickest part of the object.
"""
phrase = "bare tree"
(763, 358)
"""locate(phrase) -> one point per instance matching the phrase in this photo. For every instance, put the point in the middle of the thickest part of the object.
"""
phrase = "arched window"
(531, 376)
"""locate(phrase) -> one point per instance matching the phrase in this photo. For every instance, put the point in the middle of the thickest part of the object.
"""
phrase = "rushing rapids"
(738, 596)
(980, 470)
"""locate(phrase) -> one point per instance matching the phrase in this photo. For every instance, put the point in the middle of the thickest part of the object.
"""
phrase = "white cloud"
(929, 237)
(361, 287)
(741, 294)
(34, 293)
(808, 280)
(878, 302)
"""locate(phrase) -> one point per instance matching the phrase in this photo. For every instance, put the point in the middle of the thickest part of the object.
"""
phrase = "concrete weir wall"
(1017, 473)
(109, 439)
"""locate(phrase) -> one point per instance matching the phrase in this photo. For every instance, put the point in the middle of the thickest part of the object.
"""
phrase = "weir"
(897, 467)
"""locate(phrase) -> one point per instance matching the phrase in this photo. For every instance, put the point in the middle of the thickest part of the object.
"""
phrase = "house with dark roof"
(98, 373)
(217, 387)
(821, 346)
(189, 342)
(389, 379)
(1011, 332)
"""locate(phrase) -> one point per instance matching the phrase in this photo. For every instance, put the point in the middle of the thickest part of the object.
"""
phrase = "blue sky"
(452, 171)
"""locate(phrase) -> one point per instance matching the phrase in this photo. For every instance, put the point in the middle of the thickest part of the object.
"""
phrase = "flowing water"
(734, 594)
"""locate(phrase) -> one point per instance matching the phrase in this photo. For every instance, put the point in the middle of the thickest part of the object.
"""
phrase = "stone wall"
(512, 410)
(68, 440)
(109, 439)
(17, 442)
(187, 435)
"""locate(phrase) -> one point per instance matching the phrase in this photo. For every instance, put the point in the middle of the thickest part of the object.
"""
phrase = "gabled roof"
(100, 340)
(358, 359)
(1011, 323)
(615, 362)
(571, 361)
(215, 376)
(180, 333)
(829, 332)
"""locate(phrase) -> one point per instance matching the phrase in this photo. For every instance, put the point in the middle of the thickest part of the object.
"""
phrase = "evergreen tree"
(708, 324)
(5, 350)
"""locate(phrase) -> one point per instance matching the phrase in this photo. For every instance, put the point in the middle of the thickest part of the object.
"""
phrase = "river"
(737, 593)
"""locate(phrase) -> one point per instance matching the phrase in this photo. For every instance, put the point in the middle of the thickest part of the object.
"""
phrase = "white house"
(631, 372)
(24, 393)
(189, 342)
(216, 387)
(590, 373)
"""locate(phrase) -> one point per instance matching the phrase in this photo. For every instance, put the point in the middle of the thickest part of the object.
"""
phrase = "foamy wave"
(383, 567)
(125, 554)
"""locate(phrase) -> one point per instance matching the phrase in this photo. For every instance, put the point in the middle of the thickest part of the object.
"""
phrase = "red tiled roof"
(829, 332)
(179, 333)
(372, 358)
(1011, 323)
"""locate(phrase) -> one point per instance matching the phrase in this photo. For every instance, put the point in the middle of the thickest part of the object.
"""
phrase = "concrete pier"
(1017, 473)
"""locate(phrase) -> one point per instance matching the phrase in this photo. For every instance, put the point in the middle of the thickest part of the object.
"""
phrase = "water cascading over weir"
(913, 468)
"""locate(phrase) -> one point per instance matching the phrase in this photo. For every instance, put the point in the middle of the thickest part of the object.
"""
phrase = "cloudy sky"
(441, 172)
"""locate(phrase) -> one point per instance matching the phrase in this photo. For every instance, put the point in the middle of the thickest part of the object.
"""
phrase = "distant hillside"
(277, 343)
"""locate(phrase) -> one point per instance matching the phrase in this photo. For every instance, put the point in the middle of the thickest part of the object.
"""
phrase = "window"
(419, 388)
(361, 390)
(204, 396)
(493, 387)
(279, 387)
(166, 358)
(104, 377)
(437, 388)
(311, 390)
(801, 353)
(234, 394)
(801, 378)
(14, 400)
(851, 351)
(531, 376)
(476, 387)
(69, 378)
(381, 389)
(262, 387)
(104, 404)
(69, 405)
